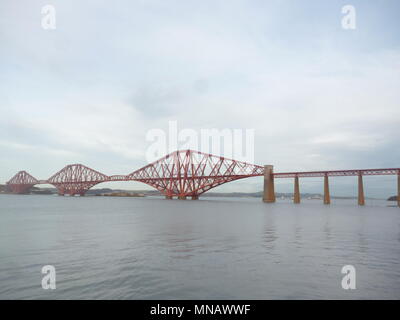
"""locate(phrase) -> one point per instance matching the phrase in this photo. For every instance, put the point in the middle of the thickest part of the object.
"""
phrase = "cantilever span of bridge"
(188, 174)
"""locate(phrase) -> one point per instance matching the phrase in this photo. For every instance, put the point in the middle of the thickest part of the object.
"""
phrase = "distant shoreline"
(107, 192)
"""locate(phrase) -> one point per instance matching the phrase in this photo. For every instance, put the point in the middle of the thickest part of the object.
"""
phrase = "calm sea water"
(148, 248)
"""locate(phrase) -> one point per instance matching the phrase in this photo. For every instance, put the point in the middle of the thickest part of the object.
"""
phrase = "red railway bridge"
(188, 173)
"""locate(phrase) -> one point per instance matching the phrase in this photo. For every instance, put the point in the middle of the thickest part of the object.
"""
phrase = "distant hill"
(259, 194)
(392, 198)
(92, 192)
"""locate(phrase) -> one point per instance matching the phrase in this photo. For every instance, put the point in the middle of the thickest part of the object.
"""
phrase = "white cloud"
(317, 97)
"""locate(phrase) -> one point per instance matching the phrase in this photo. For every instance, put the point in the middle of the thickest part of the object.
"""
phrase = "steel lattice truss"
(191, 173)
(339, 173)
(21, 182)
(180, 173)
(76, 179)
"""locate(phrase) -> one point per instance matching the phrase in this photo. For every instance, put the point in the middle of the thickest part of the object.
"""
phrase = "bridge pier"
(168, 197)
(269, 188)
(195, 197)
(182, 197)
(296, 195)
(398, 188)
(327, 197)
(361, 199)
(19, 188)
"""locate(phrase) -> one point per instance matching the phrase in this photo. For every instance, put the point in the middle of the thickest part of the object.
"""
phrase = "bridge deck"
(364, 172)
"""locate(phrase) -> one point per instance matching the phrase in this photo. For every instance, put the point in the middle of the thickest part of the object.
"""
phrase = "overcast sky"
(318, 96)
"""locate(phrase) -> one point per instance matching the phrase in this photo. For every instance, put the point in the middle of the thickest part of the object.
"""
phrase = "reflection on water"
(269, 233)
(147, 248)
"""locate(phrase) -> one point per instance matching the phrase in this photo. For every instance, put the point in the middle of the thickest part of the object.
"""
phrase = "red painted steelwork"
(191, 173)
(21, 182)
(364, 172)
(76, 179)
(180, 173)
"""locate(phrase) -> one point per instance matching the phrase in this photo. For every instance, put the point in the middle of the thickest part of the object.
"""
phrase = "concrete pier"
(269, 189)
(196, 197)
(398, 188)
(168, 197)
(327, 197)
(361, 199)
(182, 197)
(296, 195)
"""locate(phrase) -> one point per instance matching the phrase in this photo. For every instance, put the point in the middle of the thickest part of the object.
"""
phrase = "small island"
(121, 194)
